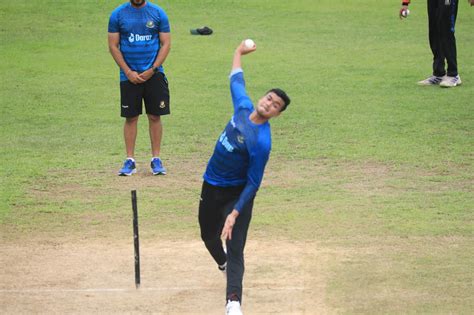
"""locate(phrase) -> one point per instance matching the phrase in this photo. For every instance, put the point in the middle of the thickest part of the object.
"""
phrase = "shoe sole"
(127, 174)
(159, 173)
(428, 84)
(450, 86)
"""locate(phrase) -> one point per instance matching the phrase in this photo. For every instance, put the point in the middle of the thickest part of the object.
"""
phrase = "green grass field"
(364, 161)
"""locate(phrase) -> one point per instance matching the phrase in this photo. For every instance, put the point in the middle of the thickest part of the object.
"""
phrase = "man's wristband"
(154, 69)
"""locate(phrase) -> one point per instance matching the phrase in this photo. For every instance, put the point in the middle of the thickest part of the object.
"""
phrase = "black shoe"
(223, 267)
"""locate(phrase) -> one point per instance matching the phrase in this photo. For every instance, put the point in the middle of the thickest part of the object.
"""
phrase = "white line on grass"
(107, 290)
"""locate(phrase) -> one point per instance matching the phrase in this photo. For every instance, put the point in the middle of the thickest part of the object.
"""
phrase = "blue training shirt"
(139, 30)
(243, 148)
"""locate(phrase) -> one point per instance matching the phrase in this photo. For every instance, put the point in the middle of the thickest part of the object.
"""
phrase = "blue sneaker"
(157, 167)
(128, 168)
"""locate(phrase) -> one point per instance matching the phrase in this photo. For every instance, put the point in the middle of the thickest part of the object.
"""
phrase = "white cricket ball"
(249, 43)
(405, 12)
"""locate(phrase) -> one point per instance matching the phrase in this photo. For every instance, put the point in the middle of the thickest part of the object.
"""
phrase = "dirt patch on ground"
(184, 174)
(365, 178)
(77, 274)
(44, 276)
(185, 177)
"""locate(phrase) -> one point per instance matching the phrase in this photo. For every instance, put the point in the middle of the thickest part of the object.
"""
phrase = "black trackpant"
(216, 203)
(442, 19)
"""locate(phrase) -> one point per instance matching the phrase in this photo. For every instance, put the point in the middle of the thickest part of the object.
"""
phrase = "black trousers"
(216, 203)
(442, 19)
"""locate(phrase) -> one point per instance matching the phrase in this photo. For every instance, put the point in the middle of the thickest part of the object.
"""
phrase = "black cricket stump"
(135, 239)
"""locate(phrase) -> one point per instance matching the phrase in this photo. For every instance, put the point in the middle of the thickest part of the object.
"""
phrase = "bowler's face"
(270, 105)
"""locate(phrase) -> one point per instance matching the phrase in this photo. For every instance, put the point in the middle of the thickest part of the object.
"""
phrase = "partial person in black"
(442, 16)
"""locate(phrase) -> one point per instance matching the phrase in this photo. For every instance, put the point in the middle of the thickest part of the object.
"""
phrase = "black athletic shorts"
(154, 92)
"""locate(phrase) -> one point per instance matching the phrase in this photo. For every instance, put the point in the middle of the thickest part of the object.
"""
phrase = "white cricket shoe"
(433, 80)
(451, 81)
(233, 308)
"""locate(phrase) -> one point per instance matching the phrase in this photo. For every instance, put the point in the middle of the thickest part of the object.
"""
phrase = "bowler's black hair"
(282, 94)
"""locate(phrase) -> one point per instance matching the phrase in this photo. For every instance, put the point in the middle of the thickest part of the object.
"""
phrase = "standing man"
(441, 20)
(233, 176)
(139, 41)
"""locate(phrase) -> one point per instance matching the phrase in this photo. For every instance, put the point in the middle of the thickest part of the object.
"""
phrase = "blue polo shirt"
(139, 30)
(243, 148)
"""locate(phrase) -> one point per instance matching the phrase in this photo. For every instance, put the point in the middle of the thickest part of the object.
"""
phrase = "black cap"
(201, 31)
